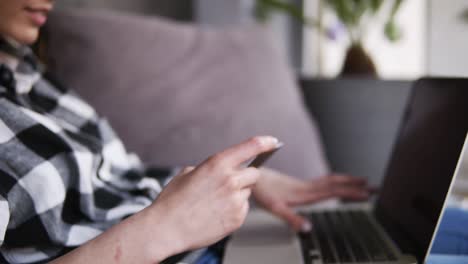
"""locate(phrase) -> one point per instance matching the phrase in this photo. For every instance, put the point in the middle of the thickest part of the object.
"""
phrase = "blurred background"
(420, 37)
(353, 61)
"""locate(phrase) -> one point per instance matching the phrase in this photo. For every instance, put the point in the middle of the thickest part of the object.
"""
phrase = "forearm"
(142, 238)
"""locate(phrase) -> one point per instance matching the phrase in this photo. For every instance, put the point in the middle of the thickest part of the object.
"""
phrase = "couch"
(177, 93)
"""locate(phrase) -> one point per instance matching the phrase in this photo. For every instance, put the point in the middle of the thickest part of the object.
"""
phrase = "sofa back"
(177, 93)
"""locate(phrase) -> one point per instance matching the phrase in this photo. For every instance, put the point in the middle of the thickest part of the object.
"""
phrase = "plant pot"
(358, 63)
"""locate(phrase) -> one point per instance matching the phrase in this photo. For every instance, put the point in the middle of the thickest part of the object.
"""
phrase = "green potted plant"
(354, 17)
(464, 15)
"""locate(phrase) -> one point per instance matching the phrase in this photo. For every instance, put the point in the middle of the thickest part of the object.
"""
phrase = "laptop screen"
(423, 162)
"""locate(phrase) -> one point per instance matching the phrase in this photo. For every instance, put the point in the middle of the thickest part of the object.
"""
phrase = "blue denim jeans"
(451, 242)
(214, 254)
(209, 257)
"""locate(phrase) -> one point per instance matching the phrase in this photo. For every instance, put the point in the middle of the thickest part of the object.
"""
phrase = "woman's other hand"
(279, 193)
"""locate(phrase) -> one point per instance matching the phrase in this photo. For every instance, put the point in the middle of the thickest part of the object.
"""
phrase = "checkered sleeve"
(7, 181)
(4, 217)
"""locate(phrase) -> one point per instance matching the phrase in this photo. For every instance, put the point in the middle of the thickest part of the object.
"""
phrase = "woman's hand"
(202, 205)
(198, 207)
(279, 193)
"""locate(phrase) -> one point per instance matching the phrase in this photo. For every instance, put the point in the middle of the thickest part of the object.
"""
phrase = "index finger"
(249, 149)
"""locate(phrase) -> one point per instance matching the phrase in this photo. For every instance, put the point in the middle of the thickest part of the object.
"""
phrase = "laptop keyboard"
(344, 237)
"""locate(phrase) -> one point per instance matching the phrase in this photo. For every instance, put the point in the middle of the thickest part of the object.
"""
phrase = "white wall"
(448, 38)
(311, 41)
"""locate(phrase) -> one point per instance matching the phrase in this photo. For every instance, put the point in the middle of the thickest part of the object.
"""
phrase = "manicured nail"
(269, 140)
(306, 227)
(279, 144)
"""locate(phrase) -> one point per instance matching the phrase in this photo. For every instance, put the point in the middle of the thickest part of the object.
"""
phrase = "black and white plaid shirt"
(64, 175)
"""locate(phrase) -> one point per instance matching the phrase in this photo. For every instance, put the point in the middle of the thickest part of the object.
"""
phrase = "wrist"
(161, 233)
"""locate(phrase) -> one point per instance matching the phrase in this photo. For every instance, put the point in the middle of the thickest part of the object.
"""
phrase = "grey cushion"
(177, 93)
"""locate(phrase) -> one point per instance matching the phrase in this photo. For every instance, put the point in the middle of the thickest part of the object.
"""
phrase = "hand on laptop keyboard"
(280, 193)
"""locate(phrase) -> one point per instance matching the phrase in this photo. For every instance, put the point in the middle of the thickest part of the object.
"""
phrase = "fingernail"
(306, 227)
(279, 144)
(269, 140)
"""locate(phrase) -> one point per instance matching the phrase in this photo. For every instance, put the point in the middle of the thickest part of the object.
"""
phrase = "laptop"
(401, 224)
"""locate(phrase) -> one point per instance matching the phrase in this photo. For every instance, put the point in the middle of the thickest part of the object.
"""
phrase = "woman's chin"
(25, 35)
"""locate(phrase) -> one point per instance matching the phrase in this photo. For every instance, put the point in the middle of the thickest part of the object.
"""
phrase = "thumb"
(297, 222)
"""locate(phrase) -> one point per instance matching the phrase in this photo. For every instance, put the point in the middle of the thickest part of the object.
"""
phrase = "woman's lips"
(38, 16)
